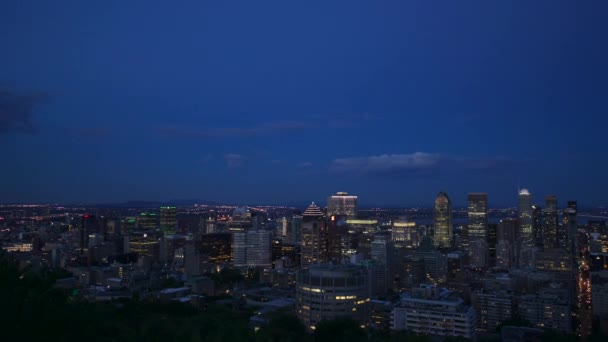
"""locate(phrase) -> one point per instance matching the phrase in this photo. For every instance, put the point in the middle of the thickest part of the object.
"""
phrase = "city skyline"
(129, 101)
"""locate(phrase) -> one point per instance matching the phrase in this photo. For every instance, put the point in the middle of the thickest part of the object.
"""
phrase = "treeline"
(32, 309)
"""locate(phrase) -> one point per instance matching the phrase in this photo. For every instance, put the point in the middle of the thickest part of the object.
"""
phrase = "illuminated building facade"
(442, 219)
(525, 218)
(550, 222)
(168, 220)
(478, 228)
(313, 236)
(147, 221)
(404, 234)
(328, 291)
(342, 205)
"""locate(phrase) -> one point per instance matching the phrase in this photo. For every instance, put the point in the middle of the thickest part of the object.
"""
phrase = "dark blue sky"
(289, 101)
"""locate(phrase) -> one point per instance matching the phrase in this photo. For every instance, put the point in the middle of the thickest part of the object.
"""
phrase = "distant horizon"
(294, 204)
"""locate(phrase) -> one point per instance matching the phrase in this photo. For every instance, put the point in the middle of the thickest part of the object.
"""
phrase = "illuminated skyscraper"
(537, 225)
(342, 205)
(168, 220)
(405, 234)
(550, 222)
(147, 221)
(442, 215)
(294, 235)
(313, 231)
(525, 218)
(478, 228)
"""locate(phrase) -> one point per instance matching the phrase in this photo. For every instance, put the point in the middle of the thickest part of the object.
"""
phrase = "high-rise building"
(258, 248)
(251, 248)
(283, 227)
(382, 252)
(294, 235)
(442, 218)
(571, 205)
(147, 221)
(342, 205)
(405, 234)
(550, 222)
(525, 218)
(537, 225)
(478, 228)
(88, 227)
(168, 220)
(313, 232)
(328, 291)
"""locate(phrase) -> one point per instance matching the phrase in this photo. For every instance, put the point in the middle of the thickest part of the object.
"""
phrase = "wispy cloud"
(16, 110)
(418, 164)
(304, 164)
(234, 160)
(232, 132)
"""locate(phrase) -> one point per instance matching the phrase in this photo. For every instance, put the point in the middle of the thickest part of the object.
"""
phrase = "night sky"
(271, 102)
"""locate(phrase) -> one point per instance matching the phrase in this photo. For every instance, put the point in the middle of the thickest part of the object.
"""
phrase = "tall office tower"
(283, 227)
(573, 205)
(327, 291)
(525, 218)
(507, 236)
(382, 252)
(168, 220)
(295, 234)
(442, 218)
(478, 228)
(492, 241)
(239, 248)
(147, 221)
(258, 248)
(571, 233)
(333, 241)
(88, 226)
(405, 234)
(550, 225)
(313, 231)
(537, 225)
(342, 205)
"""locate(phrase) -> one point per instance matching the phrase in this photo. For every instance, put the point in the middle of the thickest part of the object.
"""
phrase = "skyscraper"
(342, 205)
(147, 221)
(442, 216)
(537, 225)
(168, 220)
(313, 229)
(478, 228)
(550, 225)
(405, 234)
(525, 218)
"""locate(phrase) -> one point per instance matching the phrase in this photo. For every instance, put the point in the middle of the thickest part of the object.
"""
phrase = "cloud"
(233, 132)
(234, 160)
(304, 164)
(16, 110)
(417, 165)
